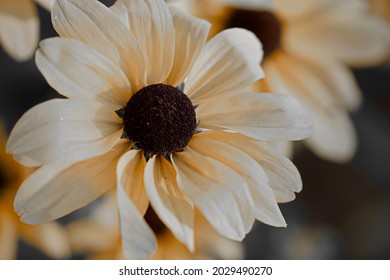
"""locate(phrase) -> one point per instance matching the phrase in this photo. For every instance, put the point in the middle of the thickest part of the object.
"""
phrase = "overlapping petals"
(229, 61)
(64, 131)
(55, 190)
(77, 70)
(137, 237)
(333, 136)
(260, 116)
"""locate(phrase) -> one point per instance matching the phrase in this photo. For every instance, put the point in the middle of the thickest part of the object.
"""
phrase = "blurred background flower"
(19, 27)
(342, 212)
(307, 45)
(51, 239)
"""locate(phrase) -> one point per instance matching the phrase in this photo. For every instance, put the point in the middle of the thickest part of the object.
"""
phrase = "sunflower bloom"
(161, 114)
(307, 46)
(19, 27)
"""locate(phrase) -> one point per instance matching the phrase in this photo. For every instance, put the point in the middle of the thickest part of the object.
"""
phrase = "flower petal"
(204, 181)
(151, 24)
(76, 70)
(249, 4)
(256, 199)
(333, 136)
(257, 115)
(47, 4)
(19, 28)
(58, 189)
(169, 203)
(138, 240)
(335, 76)
(132, 166)
(293, 11)
(283, 176)
(190, 36)
(229, 62)
(285, 148)
(345, 30)
(92, 23)
(64, 131)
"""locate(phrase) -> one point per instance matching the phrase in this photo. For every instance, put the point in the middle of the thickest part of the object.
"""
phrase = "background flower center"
(159, 119)
(265, 25)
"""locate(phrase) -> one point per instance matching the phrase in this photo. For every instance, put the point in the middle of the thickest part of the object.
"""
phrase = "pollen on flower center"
(159, 119)
(265, 25)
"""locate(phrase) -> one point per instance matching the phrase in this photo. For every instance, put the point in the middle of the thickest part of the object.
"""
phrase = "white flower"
(19, 27)
(130, 121)
(307, 46)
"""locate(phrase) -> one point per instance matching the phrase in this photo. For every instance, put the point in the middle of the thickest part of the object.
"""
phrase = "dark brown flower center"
(159, 119)
(154, 221)
(265, 25)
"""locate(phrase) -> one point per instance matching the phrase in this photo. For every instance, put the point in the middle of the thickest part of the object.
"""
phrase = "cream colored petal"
(208, 184)
(249, 4)
(47, 4)
(131, 167)
(170, 204)
(333, 136)
(151, 24)
(138, 239)
(257, 115)
(295, 11)
(229, 62)
(256, 199)
(19, 28)
(58, 189)
(77, 70)
(283, 176)
(190, 36)
(285, 148)
(8, 236)
(224, 155)
(333, 74)
(97, 26)
(346, 32)
(64, 131)
(186, 5)
(51, 239)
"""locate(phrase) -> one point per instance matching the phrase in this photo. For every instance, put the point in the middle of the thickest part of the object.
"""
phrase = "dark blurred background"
(343, 211)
